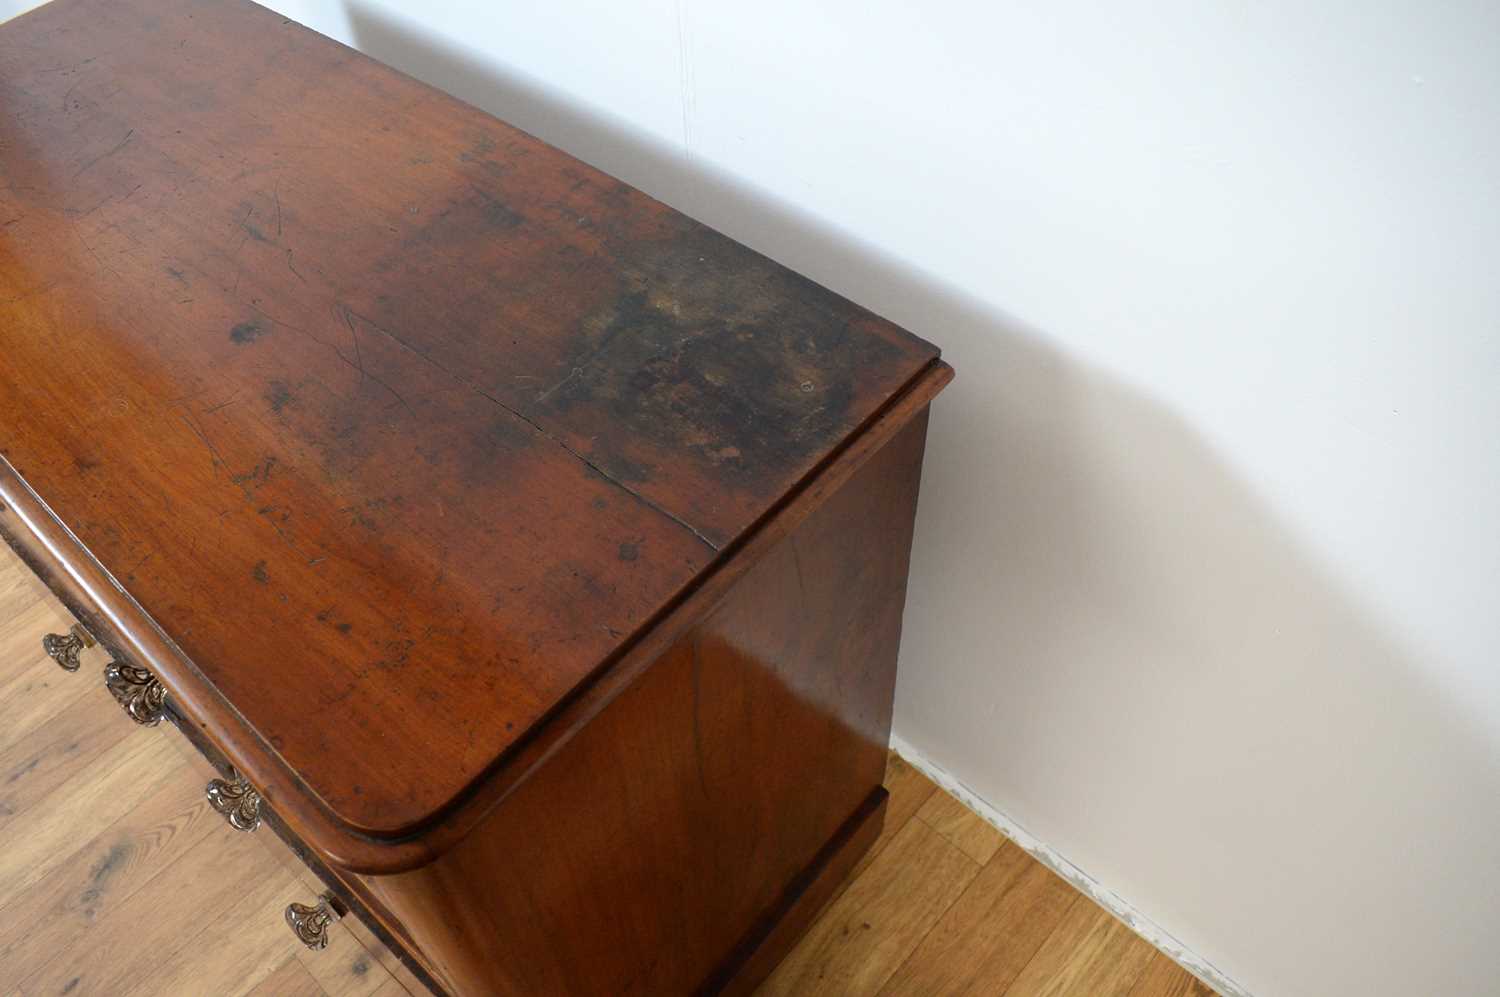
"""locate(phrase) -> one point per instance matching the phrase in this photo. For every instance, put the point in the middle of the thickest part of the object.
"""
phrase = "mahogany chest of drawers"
(527, 554)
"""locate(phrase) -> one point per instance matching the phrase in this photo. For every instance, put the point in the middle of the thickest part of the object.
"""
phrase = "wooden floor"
(116, 879)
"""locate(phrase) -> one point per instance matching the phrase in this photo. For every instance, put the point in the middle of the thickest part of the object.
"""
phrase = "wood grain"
(290, 979)
(67, 744)
(984, 941)
(244, 943)
(1089, 955)
(112, 788)
(968, 832)
(156, 921)
(1164, 978)
(97, 877)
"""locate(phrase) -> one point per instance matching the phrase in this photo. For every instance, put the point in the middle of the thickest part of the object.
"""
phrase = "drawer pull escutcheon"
(65, 648)
(311, 923)
(237, 800)
(137, 690)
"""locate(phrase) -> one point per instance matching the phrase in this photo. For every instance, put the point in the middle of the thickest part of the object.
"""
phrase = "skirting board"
(1080, 880)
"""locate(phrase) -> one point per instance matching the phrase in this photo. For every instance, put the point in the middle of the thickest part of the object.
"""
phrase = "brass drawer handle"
(310, 924)
(65, 648)
(237, 800)
(137, 690)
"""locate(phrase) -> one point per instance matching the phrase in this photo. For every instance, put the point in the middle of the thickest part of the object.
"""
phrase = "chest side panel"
(635, 861)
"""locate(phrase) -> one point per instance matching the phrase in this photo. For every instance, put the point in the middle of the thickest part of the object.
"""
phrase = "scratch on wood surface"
(218, 460)
(797, 563)
(292, 268)
(104, 155)
(359, 362)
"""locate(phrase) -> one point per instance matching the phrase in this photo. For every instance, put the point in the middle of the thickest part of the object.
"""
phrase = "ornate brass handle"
(65, 648)
(310, 924)
(237, 800)
(137, 690)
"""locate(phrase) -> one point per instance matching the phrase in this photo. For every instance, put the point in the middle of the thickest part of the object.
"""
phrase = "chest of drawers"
(529, 555)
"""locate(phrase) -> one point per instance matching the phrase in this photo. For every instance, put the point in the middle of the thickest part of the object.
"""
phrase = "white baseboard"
(1082, 881)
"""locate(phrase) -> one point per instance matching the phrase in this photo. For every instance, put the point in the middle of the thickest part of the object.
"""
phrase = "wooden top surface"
(400, 423)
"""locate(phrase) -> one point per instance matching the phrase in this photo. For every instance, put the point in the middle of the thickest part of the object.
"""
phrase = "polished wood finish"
(536, 553)
(446, 416)
(73, 912)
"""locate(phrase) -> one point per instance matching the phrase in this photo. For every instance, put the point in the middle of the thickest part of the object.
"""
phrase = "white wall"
(1206, 592)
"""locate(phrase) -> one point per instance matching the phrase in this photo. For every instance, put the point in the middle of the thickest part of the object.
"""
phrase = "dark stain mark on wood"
(326, 616)
(482, 146)
(247, 332)
(629, 551)
(500, 216)
(251, 480)
(260, 574)
(712, 349)
(278, 395)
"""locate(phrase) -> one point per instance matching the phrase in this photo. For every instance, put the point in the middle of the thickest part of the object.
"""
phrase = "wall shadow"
(1127, 630)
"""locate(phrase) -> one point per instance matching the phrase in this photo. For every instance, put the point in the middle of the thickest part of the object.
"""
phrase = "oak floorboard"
(290, 979)
(988, 936)
(865, 935)
(969, 833)
(1164, 978)
(94, 799)
(157, 921)
(1090, 954)
(68, 744)
(96, 878)
(246, 942)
